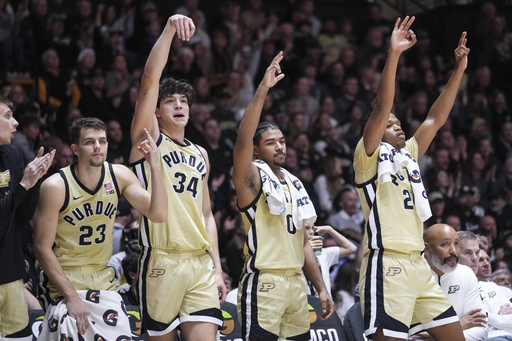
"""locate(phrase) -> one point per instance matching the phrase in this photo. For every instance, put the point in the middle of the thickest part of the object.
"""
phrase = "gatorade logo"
(415, 176)
(312, 314)
(52, 324)
(491, 294)
(265, 287)
(63, 317)
(98, 337)
(93, 296)
(228, 325)
(156, 272)
(123, 338)
(393, 271)
(453, 289)
(110, 317)
(64, 337)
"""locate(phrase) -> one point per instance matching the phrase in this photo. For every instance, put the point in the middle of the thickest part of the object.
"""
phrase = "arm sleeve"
(16, 193)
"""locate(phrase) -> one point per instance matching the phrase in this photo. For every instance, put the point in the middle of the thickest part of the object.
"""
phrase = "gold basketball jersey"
(86, 220)
(391, 219)
(273, 241)
(184, 170)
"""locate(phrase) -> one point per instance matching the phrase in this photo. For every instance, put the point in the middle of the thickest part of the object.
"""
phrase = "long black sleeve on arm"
(11, 196)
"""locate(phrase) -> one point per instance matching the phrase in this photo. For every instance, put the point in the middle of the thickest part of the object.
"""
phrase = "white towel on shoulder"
(391, 162)
(303, 210)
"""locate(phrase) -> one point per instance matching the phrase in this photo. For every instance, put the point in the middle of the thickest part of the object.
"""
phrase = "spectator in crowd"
(32, 31)
(118, 146)
(343, 287)
(349, 213)
(504, 146)
(58, 38)
(130, 269)
(94, 102)
(331, 39)
(327, 256)
(27, 138)
(85, 68)
(55, 87)
(465, 204)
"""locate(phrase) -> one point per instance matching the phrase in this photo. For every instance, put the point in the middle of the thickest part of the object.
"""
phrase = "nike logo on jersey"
(76, 198)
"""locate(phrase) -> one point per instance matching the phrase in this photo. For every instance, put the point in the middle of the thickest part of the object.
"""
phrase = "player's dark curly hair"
(171, 86)
(261, 128)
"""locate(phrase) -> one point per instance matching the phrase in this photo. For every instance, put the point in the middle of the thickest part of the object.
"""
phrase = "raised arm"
(51, 199)
(144, 116)
(245, 175)
(441, 108)
(154, 205)
(402, 39)
(346, 246)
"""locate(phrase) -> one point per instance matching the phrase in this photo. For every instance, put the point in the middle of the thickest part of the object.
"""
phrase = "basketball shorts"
(273, 305)
(398, 290)
(82, 278)
(175, 288)
(13, 308)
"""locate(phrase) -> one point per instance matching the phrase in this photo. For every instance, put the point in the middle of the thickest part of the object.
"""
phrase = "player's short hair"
(84, 123)
(171, 86)
(7, 102)
(463, 235)
(261, 128)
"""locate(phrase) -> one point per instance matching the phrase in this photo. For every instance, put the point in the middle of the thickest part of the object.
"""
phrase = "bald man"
(458, 282)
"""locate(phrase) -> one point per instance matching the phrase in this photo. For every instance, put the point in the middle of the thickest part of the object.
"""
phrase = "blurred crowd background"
(60, 60)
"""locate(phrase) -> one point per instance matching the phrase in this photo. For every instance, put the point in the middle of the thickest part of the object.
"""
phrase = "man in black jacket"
(14, 183)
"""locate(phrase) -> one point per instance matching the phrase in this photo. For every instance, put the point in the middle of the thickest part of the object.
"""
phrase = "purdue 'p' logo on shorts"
(157, 272)
(267, 286)
(393, 270)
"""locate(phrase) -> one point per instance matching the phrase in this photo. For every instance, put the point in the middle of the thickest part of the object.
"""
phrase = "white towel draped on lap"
(303, 210)
(391, 162)
(108, 319)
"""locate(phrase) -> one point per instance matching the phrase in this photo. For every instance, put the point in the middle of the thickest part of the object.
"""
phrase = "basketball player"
(14, 183)
(180, 279)
(272, 294)
(396, 286)
(73, 236)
